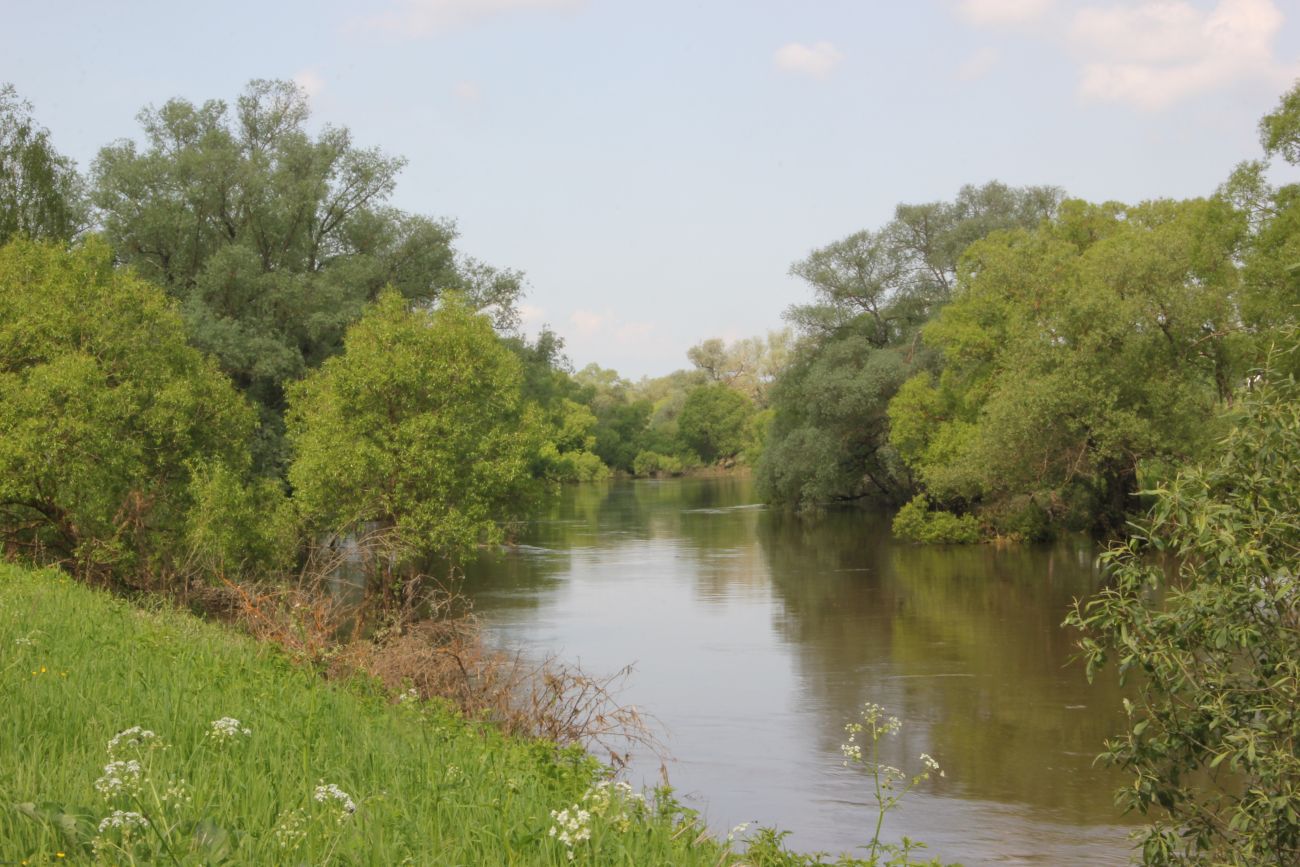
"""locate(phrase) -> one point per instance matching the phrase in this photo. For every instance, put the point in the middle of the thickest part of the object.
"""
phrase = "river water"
(756, 634)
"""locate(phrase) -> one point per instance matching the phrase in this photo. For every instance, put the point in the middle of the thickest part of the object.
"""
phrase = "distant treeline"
(223, 341)
(1014, 362)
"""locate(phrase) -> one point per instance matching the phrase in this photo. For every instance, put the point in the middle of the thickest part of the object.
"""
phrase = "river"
(757, 634)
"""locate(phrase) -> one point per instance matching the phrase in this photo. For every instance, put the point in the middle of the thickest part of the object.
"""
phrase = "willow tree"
(859, 341)
(417, 429)
(41, 194)
(273, 239)
(1076, 353)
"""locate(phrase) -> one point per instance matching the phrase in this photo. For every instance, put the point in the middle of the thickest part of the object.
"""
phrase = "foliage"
(750, 366)
(567, 454)
(714, 422)
(41, 194)
(419, 427)
(105, 412)
(273, 240)
(914, 522)
(655, 464)
(873, 290)
(1203, 613)
(1076, 351)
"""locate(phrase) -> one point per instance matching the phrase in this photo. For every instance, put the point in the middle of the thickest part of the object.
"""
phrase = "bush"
(655, 464)
(916, 523)
(104, 412)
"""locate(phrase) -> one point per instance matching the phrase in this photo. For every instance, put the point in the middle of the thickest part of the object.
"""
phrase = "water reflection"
(758, 633)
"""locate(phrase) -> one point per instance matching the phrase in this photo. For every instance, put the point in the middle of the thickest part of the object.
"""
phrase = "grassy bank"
(413, 783)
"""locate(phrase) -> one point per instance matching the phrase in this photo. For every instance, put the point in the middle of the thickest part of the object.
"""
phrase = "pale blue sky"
(655, 167)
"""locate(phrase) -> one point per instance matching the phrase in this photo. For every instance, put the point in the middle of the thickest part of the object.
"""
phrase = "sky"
(654, 168)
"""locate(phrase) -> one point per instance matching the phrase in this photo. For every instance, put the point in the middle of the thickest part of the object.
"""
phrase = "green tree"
(41, 194)
(418, 428)
(1203, 611)
(715, 422)
(274, 240)
(859, 341)
(105, 413)
(750, 366)
(1076, 353)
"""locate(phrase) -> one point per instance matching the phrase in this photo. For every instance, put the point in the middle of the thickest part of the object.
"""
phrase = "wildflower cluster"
(133, 739)
(227, 729)
(334, 797)
(572, 827)
(891, 783)
(124, 821)
(120, 778)
(291, 830)
(613, 802)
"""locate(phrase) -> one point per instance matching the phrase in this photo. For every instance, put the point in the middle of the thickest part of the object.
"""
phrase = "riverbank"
(253, 759)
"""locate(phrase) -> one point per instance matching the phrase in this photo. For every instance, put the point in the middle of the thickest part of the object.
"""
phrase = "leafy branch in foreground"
(1214, 735)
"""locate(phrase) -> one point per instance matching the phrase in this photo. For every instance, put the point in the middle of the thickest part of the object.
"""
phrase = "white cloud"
(817, 60)
(1002, 12)
(1159, 52)
(978, 64)
(587, 323)
(468, 92)
(413, 18)
(310, 81)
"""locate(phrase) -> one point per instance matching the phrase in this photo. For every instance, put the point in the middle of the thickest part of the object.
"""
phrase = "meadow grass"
(312, 772)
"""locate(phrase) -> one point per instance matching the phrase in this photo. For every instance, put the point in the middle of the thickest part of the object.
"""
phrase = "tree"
(750, 366)
(41, 194)
(105, 414)
(715, 422)
(272, 240)
(1213, 739)
(829, 436)
(418, 428)
(1076, 353)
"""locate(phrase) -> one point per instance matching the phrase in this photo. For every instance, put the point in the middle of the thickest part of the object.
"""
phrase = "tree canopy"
(273, 240)
(419, 427)
(41, 194)
(105, 413)
(829, 437)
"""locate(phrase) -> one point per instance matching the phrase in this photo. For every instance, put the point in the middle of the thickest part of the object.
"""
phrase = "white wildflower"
(228, 729)
(572, 827)
(177, 791)
(737, 831)
(331, 795)
(24, 642)
(134, 738)
(411, 696)
(123, 820)
(292, 830)
(120, 778)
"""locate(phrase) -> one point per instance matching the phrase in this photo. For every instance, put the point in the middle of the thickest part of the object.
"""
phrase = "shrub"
(916, 523)
(104, 412)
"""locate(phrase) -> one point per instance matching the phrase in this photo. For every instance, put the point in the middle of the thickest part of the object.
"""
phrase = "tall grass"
(79, 666)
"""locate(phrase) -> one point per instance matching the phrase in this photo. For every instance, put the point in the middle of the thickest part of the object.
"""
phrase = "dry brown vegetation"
(419, 635)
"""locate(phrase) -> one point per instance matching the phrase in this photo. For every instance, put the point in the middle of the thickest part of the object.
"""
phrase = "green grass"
(78, 666)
